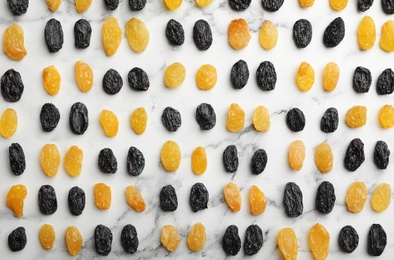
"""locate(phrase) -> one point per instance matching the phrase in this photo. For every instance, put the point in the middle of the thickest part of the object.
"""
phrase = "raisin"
(171, 119)
(138, 120)
(107, 161)
(173, 4)
(362, 80)
(109, 122)
(266, 76)
(170, 238)
(381, 155)
(306, 3)
(175, 33)
(324, 158)
(79, 118)
(102, 196)
(8, 123)
(261, 119)
(82, 5)
(168, 199)
(170, 156)
(329, 121)
(49, 117)
(232, 196)
(377, 240)
(102, 240)
(111, 4)
(272, 5)
(239, 74)
(381, 197)
(15, 199)
(338, 5)
(17, 239)
(17, 159)
(230, 159)
(51, 79)
(206, 77)
(137, 5)
(388, 6)
(287, 243)
(12, 86)
(18, 7)
(203, 3)
(386, 39)
(134, 199)
(295, 120)
(305, 76)
(76, 200)
(138, 79)
(73, 161)
(330, 76)
(319, 241)
(354, 156)
(238, 34)
(364, 5)
(334, 33)
(137, 35)
(235, 118)
(14, 42)
(356, 116)
(73, 240)
(202, 35)
(268, 35)
(47, 236)
(348, 239)
(199, 197)
(292, 200)
(239, 5)
(199, 160)
(325, 197)
(174, 75)
(302, 33)
(50, 159)
(129, 239)
(253, 240)
(111, 35)
(197, 237)
(83, 76)
(385, 83)
(259, 161)
(356, 196)
(205, 116)
(82, 34)
(54, 35)
(135, 161)
(257, 201)
(366, 33)
(112, 82)
(296, 155)
(231, 242)
(47, 201)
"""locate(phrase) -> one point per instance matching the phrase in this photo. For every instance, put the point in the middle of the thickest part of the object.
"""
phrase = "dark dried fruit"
(76, 201)
(112, 82)
(295, 120)
(17, 239)
(79, 118)
(175, 33)
(334, 33)
(239, 5)
(266, 76)
(135, 161)
(388, 6)
(239, 74)
(377, 240)
(348, 239)
(54, 35)
(381, 155)
(102, 239)
(168, 198)
(325, 198)
(17, 159)
(205, 116)
(138, 79)
(137, 5)
(49, 117)
(18, 7)
(259, 161)
(272, 5)
(82, 34)
(199, 197)
(129, 239)
(253, 240)
(230, 158)
(302, 33)
(329, 121)
(47, 201)
(364, 5)
(111, 4)
(385, 83)
(171, 119)
(292, 200)
(354, 156)
(107, 161)
(202, 35)
(362, 80)
(231, 241)
(12, 86)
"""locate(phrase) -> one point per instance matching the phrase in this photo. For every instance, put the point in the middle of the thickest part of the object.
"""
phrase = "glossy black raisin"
(137, 5)
(362, 80)
(377, 240)
(239, 5)
(102, 240)
(17, 239)
(129, 239)
(79, 118)
(12, 86)
(388, 6)
(175, 33)
(354, 156)
(17, 159)
(111, 4)
(107, 161)
(76, 200)
(49, 117)
(266, 76)
(112, 82)
(202, 35)
(334, 33)
(272, 5)
(205, 116)
(135, 161)
(47, 201)
(239, 74)
(82, 34)
(230, 158)
(231, 242)
(168, 198)
(381, 155)
(295, 120)
(292, 200)
(54, 35)
(18, 7)
(302, 33)
(253, 240)
(385, 83)
(138, 79)
(325, 198)
(348, 239)
(199, 197)
(329, 121)
(259, 161)
(364, 5)
(171, 119)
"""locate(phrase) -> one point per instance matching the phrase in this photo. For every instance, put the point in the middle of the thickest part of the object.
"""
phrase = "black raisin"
(137, 5)
(295, 120)
(259, 161)
(138, 79)
(49, 117)
(377, 240)
(129, 239)
(381, 155)
(334, 33)
(302, 33)
(354, 156)
(329, 121)
(17, 239)
(102, 239)
(325, 198)
(79, 118)
(112, 82)
(385, 83)
(171, 119)
(239, 5)
(202, 35)
(364, 5)
(388, 6)
(348, 239)
(107, 161)
(17, 159)
(111, 4)
(253, 240)
(362, 80)
(266, 76)
(205, 116)
(12, 86)
(135, 161)
(76, 200)
(231, 242)
(199, 197)
(18, 7)
(47, 201)
(272, 5)
(54, 35)
(175, 33)
(292, 200)
(82, 34)
(239, 74)
(168, 198)
(230, 158)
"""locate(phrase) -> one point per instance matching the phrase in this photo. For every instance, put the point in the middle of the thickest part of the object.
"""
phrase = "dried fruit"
(232, 196)
(377, 240)
(381, 155)
(138, 79)
(82, 5)
(137, 5)
(175, 33)
(53, 35)
(257, 201)
(388, 6)
(330, 76)
(170, 238)
(112, 82)
(306, 3)
(366, 33)
(319, 241)
(82, 34)
(381, 197)
(272, 5)
(47, 201)
(54, 4)
(197, 237)
(385, 83)
(296, 155)
(50, 159)
(107, 161)
(348, 239)
(266, 76)
(386, 116)
(111, 35)
(137, 35)
(203, 3)
(205, 116)
(47, 236)
(231, 242)
(202, 35)
(199, 197)
(51, 79)
(73, 240)
(362, 80)
(134, 199)
(14, 42)
(305, 76)
(12, 86)
(171, 119)
(259, 161)
(356, 197)
(324, 159)
(235, 118)
(129, 239)
(364, 5)
(287, 243)
(239, 5)
(199, 160)
(138, 120)
(170, 156)
(102, 196)
(17, 159)
(79, 118)
(268, 35)
(76, 200)
(173, 4)
(230, 158)
(206, 77)
(295, 120)
(354, 156)
(174, 75)
(329, 121)
(334, 33)
(253, 240)
(325, 198)
(239, 74)
(135, 161)
(83, 76)
(168, 198)
(302, 33)
(238, 34)
(15, 197)
(109, 122)
(102, 240)
(261, 119)
(18, 7)
(17, 239)
(387, 39)
(73, 161)
(49, 117)
(8, 123)
(111, 4)
(356, 116)
(292, 200)
(338, 5)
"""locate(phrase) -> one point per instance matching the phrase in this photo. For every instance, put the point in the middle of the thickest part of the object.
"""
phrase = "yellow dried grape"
(102, 196)
(109, 122)
(261, 119)
(268, 35)
(356, 197)
(199, 160)
(50, 159)
(330, 76)
(287, 243)
(111, 35)
(319, 241)
(235, 118)
(257, 201)
(54, 4)
(324, 159)
(381, 197)
(356, 116)
(14, 42)
(305, 77)
(73, 240)
(52, 80)
(73, 161)
(138, 120)
(387, 38)
(83, 76)
(170, 238)
(174, 75)
(134, 199)
(137, 35)
(8, 123)
(47, 236)
(296, 155)
(206, 77)
(306, 3)
(15, 199)
(82, 5)
(232, 196)
(170, 156)
(197, 237)
(338, 5)
(238, 34)
(203, 3)
(173, 4)
(386, 116)
(366, 33)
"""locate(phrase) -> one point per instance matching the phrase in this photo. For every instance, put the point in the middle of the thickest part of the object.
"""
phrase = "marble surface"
(286, 58)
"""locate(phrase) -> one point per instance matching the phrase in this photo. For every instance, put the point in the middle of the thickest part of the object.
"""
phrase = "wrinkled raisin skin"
(17, 159)
(107, 161)
(18, 7)
(231, 242)
(199, 197)
(354, 156)
(388, 6)
(385, 83)
(302, 33)
(79, 118)
(329, 121)
(76, 201)
(295, 120)
(168, 199)
(49, 117)
(135, 161)
(138, 79)
(47, 201)
(112, 82)
(362, 80)
(334, 33)
(377, 240)
(205, 116)
(111, 4)
(259, 161)
(17, 239)
(102, 240)
(253, 240)
(325, 198)
(171, 119)
(230, 159)
(266, 76)
(292, 200)
(137, 5)
(272, 5)
(348, 239)
(129, 239)
(381, 155)
(202, 35)
(54, 35)
(12, 86)
(82, 34)
(239, 5)
(175, 33)
(239, 74)
(364, 5)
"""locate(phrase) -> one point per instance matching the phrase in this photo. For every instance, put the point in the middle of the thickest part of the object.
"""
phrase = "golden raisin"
(381, 197)
(287, 243)
(324, 158)
(199, 160)
(306, 3)
(73, 240)
(197, 237)
(338, 5)
(174, 75)
(238, 34)
(232, 195)
(54, 4)
(387, 38)
(134, 199)
(366, 33)
(102, 196)
(356, 197)
(330, 76)
(305, 76)
(236, 118)
(15, 198)
(173, 4)
(296, 155)
(138, 120)
(170, 238)
(137, 35)
(257, 201)
(82, 5)
(203, 3)
(73, 161)
(8, 123)
(170, 156)
(356, 116)
(268, 35)
(110, 123)
(386, 116)
(14, 42)
(50, 159)
(47, 236)
(83, 76)
(52, 80)
(319, 241)
(111, 35)
(261, 119)
(206, 77)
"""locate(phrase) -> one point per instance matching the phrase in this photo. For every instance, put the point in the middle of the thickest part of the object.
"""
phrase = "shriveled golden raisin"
(296, 155)
(330, 76)
(206, 77)
(51, 78)
(338, 5)
(306, 3)
(203, 3)
(319, 241)
(47, 236)
(238, 34)
(174, 75)
(14, 42)
(170, 156)
(387, 38)
(366, 33)
(134, 199)
(287, 243)
(305, 77)
(73, 240)
(197, 237)
(15, 197)
(83, 76)
(170, 238)
(356, 197)
(73, 161)
(356, 116)
(173, 4)
(257, 201)
(137, 35)
(110, 123)
(102, 196)
(268, 35)
(54, 4)
(381, 197)
(232, 196)
(8, 123)
(261, 119)
(199, 160)
(111, 35)
(82, 5)
(235, 118)
(324, 159)
(50, 159)
(138, 120)
(386, 116)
